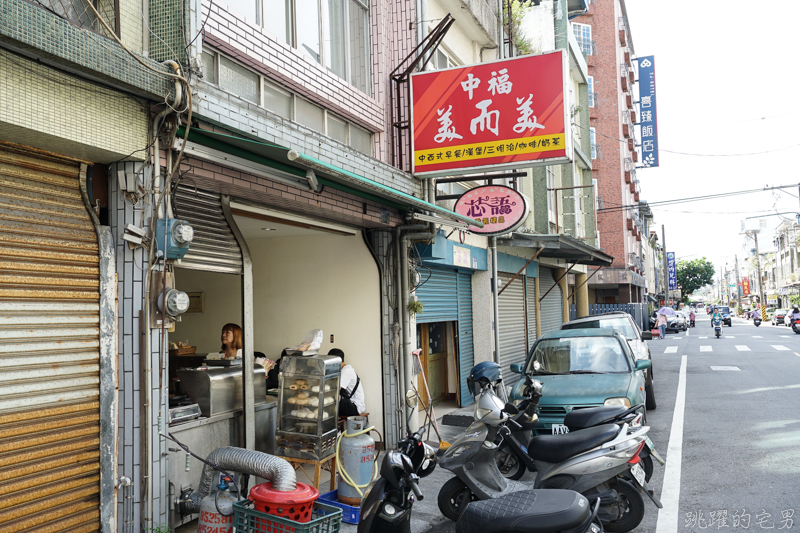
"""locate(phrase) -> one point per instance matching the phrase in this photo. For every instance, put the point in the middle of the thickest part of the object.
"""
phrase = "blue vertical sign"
(647, 111)
(672, 272)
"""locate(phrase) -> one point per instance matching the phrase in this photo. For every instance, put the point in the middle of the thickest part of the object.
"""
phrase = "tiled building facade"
(606, 36)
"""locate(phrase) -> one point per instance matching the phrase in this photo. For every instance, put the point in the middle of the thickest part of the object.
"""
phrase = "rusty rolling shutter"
(49, 348)
(214, 248)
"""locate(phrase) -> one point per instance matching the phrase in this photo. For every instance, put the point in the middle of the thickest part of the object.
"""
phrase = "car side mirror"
(647, 336)
(643, 364)
(516, 368)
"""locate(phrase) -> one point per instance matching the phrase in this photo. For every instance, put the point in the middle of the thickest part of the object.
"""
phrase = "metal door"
(512, 324)
(214, 247)
(447, 295)
(552, 305)
(49, 348)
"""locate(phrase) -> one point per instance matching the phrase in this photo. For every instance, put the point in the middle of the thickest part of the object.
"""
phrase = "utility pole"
(738, 290)
(666, 272)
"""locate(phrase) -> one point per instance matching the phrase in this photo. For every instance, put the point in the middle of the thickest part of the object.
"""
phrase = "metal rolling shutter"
(531, 290)
(438, 295)
(466, 350)
(49, 348)
(513, 329)
(551, 306)
(214, 248)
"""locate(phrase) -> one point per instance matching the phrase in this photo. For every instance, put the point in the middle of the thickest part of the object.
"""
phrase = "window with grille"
(593, 141)
(79, 13)
(591, 90)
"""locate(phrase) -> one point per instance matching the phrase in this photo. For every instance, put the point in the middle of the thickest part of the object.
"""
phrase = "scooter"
(514, 461)
(534, 511)
(387, 506)
(717, 327)
(756, 321)
(795, 326)
(599, 462)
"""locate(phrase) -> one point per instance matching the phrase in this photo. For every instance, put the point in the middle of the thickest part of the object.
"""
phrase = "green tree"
(693, 275)
(513, 13)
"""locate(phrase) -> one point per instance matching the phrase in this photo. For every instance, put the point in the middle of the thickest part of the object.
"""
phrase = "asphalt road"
(732, 444)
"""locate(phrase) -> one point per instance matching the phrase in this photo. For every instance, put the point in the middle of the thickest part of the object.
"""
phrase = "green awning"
(292, 162)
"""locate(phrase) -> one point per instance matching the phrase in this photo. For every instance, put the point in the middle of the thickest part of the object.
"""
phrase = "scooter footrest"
(531, 511)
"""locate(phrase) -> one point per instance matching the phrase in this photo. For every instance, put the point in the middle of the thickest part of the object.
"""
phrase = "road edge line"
(671, 488)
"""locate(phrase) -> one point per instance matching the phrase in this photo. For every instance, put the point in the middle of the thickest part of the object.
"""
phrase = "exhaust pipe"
(274, 469)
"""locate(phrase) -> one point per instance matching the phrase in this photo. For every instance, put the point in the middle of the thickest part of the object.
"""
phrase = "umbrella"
(666, 311)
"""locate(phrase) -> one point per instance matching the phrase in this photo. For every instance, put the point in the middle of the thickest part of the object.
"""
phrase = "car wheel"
(650, 396)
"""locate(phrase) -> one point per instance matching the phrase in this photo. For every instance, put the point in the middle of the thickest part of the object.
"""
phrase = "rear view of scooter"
(387, 507)
(717, 327)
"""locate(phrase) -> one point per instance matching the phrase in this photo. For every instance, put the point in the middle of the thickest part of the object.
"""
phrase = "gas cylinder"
(216, 510)
(357, 458)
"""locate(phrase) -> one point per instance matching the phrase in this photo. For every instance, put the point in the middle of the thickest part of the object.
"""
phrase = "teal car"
(581, 368)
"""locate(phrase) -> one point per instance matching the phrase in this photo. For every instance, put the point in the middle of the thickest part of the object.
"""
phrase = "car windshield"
(724, 310)
(578, 355)
(621, 324)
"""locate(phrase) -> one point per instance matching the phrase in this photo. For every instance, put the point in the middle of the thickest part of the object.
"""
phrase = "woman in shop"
(231, 342)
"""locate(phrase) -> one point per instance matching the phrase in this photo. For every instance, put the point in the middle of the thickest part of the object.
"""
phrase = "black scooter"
(795, 326)
(387, 506)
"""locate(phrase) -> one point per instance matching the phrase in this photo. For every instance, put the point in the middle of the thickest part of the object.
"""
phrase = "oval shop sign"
(501, 209)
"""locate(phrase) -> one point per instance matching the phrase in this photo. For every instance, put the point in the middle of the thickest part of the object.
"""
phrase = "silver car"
(627, 326)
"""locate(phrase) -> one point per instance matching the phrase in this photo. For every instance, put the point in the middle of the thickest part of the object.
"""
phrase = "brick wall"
(607, 121)
(250, 119)
(330, 204)
(390, 40)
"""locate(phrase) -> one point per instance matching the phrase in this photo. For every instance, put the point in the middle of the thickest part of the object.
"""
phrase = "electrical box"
(173, 237)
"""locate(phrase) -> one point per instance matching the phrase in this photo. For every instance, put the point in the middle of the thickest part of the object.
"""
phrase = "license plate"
(638, 474)
(560, 429)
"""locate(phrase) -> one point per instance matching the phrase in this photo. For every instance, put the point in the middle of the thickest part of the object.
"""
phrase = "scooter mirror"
(411, 398)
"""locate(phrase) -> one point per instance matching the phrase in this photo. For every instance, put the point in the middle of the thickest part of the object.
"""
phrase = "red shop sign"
(502, 210)
(503, 114)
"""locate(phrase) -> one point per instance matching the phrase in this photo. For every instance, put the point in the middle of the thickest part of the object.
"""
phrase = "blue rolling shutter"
(447, 296)
(466, 352)
(438, 296)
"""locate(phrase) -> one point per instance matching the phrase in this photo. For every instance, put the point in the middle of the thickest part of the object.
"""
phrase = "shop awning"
(560, 246)
(285, 161)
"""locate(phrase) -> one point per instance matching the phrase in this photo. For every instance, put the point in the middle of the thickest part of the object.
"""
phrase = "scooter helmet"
(482, 374)
(489, 410)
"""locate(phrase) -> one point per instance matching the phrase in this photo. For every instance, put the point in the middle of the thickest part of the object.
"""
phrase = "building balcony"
(631, 146)
(632, 188)
(631, 76)
(624, 84)
(626, 131)
(633, 116)
(629, 101)
(628, 57)
(636, 196)
(635, 156)
(622, 37)
(628, 178)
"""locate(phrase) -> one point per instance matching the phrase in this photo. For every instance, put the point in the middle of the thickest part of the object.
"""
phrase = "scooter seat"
(586, 418)
(527, 511)
(558, 448)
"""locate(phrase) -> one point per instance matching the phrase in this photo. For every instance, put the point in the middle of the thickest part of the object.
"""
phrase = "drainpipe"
(145, 353)
(403, 235)
(500, 38)
(495, 302)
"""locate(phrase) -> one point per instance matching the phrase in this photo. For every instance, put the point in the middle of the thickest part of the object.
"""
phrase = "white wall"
(322, 281)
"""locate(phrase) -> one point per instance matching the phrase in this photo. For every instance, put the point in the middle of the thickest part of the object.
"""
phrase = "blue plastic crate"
(350, 514)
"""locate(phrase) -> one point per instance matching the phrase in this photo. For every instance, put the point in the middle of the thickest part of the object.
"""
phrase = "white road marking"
(733, 368)
(785, 336)
(757, 337)
(780, 348)
(671, 488)
(742, 348)
(671, 349)
(706, 349)
(729, 337)
(702, 337)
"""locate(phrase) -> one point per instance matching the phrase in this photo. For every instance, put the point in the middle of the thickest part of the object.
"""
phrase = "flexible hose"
(342, 472)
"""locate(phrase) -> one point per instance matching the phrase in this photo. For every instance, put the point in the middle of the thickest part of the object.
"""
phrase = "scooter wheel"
(454, 497)
(632, 514)
(509, 464)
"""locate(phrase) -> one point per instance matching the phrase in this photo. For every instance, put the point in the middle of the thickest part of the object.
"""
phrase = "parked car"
(725, 311)
(770, 311)
(778, 316)
(582, 368)
(627, 326)
(680, 322)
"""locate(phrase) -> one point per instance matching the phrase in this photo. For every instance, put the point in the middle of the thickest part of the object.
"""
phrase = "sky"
(726, 81)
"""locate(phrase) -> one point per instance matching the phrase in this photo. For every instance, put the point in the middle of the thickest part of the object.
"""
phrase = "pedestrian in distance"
(691, 318)
(661, 324)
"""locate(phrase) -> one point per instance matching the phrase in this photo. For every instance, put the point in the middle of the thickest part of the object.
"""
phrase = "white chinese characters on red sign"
(500, 209)
(490, 115)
